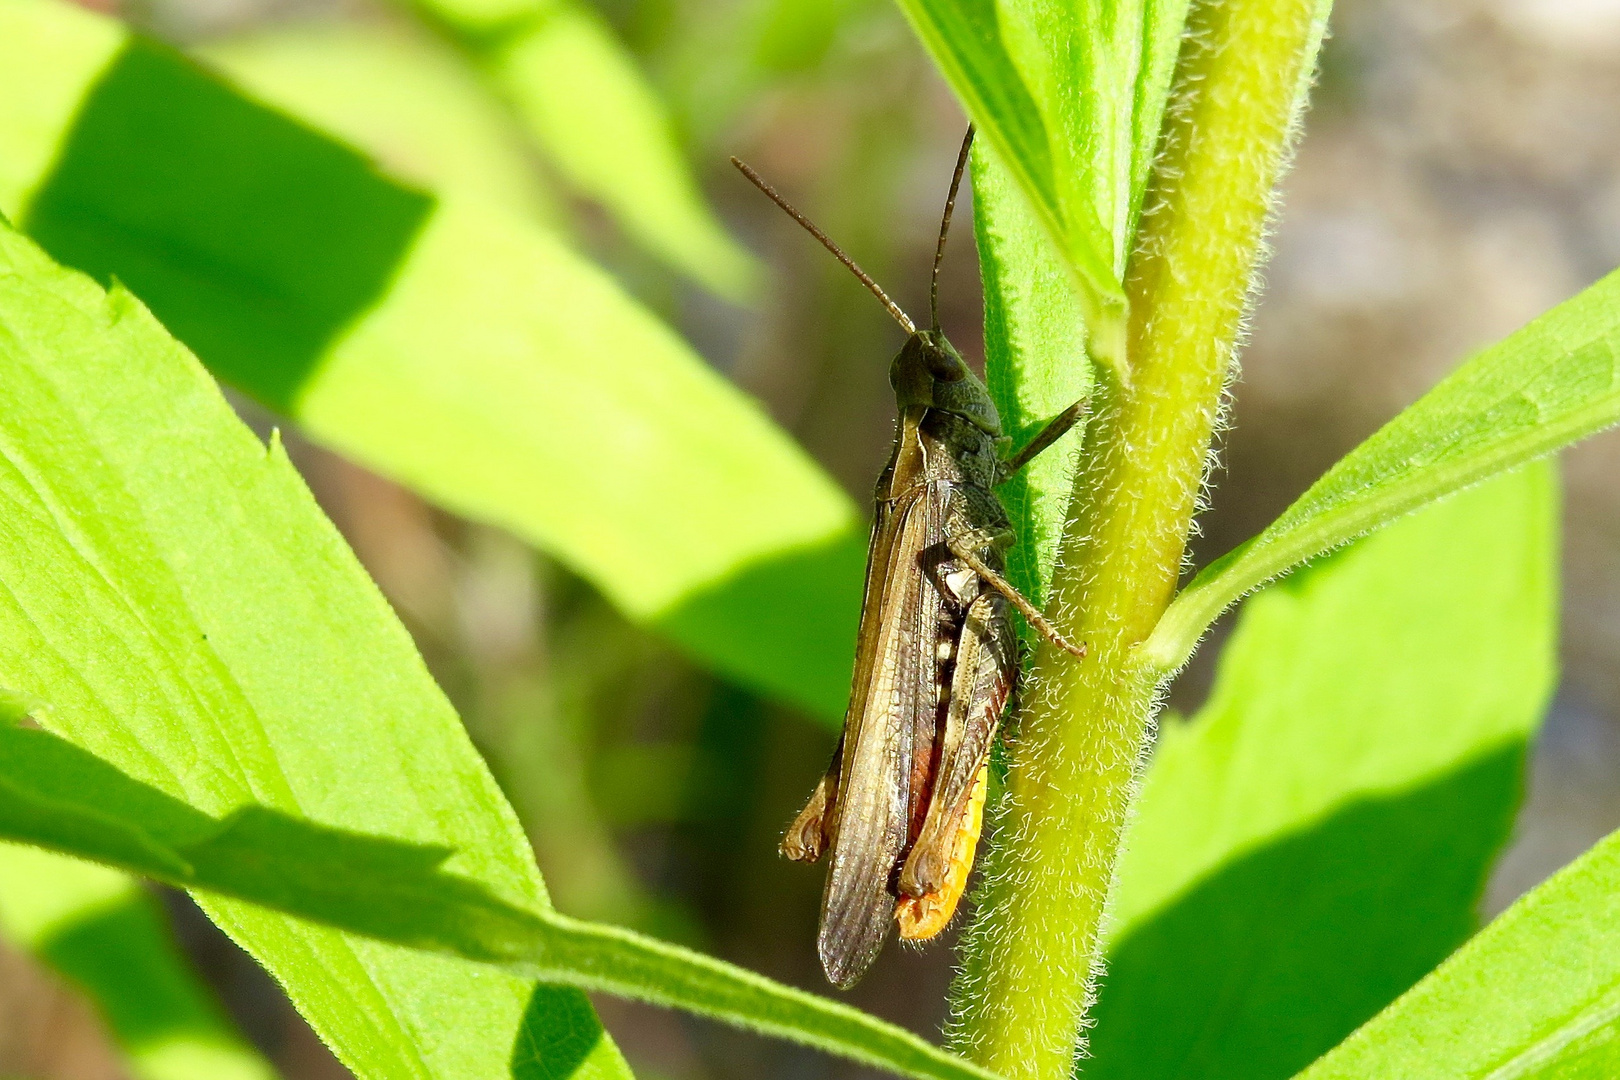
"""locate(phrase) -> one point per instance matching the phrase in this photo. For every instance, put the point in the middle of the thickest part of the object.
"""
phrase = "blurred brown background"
(1460, 173)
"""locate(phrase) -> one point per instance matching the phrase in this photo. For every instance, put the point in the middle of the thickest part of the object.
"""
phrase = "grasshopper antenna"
(945, 227)
(826, 241)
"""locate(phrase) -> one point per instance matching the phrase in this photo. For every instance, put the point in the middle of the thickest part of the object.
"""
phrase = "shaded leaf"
(1536, 994)
(1317, 838)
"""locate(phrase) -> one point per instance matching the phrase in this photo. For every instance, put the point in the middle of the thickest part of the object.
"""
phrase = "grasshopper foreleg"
(1055, 429)
(965, 545)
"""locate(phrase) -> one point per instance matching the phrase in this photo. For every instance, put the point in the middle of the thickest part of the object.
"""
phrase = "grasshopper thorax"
(928, 373)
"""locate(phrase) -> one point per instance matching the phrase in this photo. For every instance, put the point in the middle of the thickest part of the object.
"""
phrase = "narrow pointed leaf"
(1550, 384)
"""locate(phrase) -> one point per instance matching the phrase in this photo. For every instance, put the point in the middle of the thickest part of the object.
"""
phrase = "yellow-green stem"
(1030, 960)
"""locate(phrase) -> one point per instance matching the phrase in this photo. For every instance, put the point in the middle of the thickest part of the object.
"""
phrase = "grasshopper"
(899, 809)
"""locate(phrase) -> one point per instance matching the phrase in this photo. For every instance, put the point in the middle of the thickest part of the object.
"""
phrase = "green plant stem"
(1030, 961)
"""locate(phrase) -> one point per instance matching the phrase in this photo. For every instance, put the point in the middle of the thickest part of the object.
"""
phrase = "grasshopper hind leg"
(987, 660)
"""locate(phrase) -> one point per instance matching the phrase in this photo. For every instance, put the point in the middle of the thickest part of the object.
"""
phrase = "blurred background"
(1459, 174)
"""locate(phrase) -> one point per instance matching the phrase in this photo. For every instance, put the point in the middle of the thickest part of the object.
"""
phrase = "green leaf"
(405, 99)
(1555, 381)
(233, 709)
(1035, 362)
(100, 930)
(174, 596)
(1536, 994)
(55, 794)
(580, 94)
(1070, 94)
(444, 342)
(1317, 838)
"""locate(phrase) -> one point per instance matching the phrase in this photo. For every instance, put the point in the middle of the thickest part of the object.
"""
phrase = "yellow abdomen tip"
(921, 917)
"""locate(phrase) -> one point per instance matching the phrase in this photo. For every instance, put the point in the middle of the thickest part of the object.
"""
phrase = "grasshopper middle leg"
(965, 545)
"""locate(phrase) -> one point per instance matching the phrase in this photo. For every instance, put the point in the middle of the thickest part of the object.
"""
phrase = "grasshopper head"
(929, 373)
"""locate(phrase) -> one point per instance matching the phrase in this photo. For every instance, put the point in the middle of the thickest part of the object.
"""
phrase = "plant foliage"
(184, 591)
(334, 294)
(200, 686)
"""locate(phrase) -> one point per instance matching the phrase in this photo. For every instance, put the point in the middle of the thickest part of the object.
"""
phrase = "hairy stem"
(1031, 959)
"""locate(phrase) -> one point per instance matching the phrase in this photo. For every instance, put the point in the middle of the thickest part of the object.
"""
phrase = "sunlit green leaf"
(445, 342)
(178, 606)
(102, 931)
(1070, 95)
(407, 101)
(1035, 362)
(1555, 381)
(1318, 836)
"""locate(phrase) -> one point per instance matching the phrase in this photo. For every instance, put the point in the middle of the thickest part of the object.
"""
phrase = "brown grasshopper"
(901, 804)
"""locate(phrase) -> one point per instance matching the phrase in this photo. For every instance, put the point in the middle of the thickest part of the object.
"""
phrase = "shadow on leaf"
(1325, 927)
(55, 795)
(253, 239)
